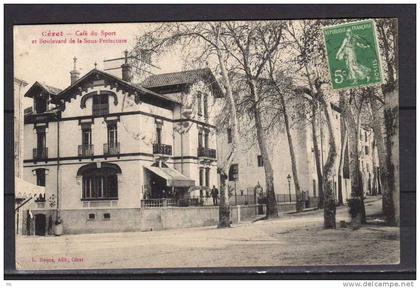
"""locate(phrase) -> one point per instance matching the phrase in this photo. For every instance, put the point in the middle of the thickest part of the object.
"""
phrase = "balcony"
(40, 153)
(85, 150)
(206, 152)
(111, 149)
(162, 149)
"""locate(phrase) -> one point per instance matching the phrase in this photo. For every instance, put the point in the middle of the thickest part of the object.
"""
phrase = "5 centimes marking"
(353, 54)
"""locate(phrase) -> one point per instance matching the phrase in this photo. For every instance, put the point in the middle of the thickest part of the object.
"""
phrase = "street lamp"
(288, 180)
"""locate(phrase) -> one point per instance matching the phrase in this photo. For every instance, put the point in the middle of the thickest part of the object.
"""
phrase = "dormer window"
(40, 104)
(100, 105)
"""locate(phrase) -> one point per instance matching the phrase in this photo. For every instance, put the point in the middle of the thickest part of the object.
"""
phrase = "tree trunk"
(392, 157)
(375, 174)
(329, 202)
(344, 140)
(391, 200)
(317, 157)
(272, 210)
(384, 161)
(357, 206)
(299, 198)
(224, 209)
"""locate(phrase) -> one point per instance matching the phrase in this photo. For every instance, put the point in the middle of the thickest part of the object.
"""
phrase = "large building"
(104, 145)
(247, 170)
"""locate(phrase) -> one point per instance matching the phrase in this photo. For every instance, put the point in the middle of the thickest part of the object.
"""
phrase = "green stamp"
(353, 54)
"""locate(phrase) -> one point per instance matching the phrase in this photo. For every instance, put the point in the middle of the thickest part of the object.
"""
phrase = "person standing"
(214, 195)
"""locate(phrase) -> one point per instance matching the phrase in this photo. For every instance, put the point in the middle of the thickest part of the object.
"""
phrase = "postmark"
(353, 54)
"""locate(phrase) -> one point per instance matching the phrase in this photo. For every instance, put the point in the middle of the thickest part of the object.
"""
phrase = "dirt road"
(289, 240)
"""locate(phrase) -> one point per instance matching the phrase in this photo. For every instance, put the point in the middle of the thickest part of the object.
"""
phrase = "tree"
(251, 45)
(385, 116)
(204, 37)
(353, 104)
(279, 81)
(311, 61)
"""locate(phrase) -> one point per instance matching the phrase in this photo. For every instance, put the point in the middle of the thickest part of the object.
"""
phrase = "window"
(91, 216)
(40, 104)
(229, 135)
(366, 150)
(40, 177)
(86, 135)
(205, 105)
(199, 104)
(40, 139)
(41, 150)
(206, 139)
(159, 135)
(201, 176)
(200, 138)
(366, 136)
(107, 216)
(233, 172)
(201, 180)
(260, 161)
(207, 177)
(100, 105)
(100, 183)
(112, 134)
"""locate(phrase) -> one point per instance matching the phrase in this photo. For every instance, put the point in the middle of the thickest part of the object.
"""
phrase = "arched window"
(233, 172)
(99, 183)
(100, 105)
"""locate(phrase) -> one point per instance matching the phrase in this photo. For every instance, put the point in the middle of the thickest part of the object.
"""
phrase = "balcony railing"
(206, 152)
(169, 202)
(40, 153)
(112, 148)
(100, 109)
(85, 150)
(162, 149)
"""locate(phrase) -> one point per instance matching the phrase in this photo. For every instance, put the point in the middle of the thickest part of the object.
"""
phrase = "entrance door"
(158, 186)
(40, 224)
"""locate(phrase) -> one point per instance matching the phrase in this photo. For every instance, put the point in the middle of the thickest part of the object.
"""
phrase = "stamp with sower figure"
(353, 54)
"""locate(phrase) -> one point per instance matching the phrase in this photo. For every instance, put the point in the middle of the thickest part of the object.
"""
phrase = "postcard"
(207, 144)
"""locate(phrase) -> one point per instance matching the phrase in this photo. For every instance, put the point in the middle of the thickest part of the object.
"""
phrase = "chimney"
(74, 74)
(126, 69)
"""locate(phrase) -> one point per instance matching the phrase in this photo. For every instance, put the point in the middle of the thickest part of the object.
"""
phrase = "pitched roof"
(52, 90)
(183, 77)
(136, 87)
(47, 88)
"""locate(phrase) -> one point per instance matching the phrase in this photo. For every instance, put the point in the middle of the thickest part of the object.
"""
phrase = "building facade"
(104, 146)
(247, 171)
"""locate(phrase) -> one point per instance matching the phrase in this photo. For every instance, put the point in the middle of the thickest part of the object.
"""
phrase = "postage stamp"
(353, 54)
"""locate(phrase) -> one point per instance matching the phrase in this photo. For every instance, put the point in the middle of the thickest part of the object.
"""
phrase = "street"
(293, 239)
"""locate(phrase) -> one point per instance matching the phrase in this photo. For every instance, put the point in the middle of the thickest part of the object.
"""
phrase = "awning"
(173, 177)
(24, 189)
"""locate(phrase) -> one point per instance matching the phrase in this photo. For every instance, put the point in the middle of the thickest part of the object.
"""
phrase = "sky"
(51, 63)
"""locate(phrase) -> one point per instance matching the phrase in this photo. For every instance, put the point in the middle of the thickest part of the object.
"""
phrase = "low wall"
(78, 221)
(101, 220)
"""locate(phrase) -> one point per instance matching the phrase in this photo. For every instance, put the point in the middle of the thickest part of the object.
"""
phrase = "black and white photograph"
(207, 144)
